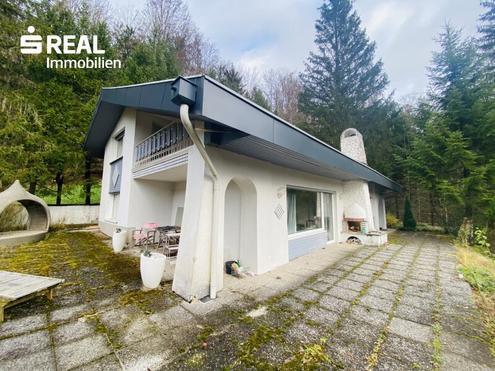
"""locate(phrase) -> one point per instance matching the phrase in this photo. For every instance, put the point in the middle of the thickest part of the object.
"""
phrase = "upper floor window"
(119, 138)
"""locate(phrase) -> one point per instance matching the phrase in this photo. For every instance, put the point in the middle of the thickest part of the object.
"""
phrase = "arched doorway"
(38, 216)
(240, 229)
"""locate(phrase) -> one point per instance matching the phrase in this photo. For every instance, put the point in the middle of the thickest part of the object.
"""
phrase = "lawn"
(71, 195)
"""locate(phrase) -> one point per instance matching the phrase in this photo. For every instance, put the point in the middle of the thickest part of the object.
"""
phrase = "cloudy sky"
(265, 34)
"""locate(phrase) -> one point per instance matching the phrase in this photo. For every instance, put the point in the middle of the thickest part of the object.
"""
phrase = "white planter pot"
(152, 268)
(119, 240)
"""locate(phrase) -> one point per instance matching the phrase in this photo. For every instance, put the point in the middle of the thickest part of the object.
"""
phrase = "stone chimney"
(352, 145)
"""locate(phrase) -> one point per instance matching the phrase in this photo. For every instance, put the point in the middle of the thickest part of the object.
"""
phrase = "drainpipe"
(186, 121)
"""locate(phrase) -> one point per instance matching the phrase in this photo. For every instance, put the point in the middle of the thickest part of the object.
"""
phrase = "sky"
(261, 35)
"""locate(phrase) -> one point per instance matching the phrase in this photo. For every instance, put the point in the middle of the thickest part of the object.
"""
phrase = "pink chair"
(145, 235)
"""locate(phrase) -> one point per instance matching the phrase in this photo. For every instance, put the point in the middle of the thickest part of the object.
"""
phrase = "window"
(120, 143)
(303, 210)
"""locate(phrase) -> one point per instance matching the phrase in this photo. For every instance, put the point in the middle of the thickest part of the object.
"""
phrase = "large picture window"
(303, 210)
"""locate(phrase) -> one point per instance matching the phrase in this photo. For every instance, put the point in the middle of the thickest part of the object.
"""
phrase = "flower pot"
(152, 268)
(119, 240)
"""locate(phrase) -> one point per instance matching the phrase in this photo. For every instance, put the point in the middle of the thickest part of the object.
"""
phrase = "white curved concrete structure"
(39, 216)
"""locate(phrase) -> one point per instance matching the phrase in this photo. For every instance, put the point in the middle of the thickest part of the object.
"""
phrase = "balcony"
(164, 142)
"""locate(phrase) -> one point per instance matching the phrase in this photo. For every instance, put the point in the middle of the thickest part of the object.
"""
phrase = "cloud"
(278, 34)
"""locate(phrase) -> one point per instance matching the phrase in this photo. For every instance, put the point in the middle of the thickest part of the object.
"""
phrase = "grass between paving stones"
(479, 272)
(436, 317)
(309, 355)
(375, 353)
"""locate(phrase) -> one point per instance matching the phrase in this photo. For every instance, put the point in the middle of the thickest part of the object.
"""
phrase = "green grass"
(71, 194)
(479, 278)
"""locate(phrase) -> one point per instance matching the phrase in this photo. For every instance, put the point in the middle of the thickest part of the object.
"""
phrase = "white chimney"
(352, 145)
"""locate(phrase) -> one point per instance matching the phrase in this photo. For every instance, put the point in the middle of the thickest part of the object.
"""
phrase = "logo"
(67, 45)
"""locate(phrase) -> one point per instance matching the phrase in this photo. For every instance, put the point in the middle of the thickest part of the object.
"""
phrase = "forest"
(440, 148)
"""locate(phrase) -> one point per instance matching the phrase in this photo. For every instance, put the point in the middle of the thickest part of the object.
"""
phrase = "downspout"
(186, 121)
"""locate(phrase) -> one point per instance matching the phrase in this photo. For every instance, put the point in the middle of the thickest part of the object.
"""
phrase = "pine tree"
(408, 222)
(228, 75)
(342, 79)
(487, 31)
(258, 97)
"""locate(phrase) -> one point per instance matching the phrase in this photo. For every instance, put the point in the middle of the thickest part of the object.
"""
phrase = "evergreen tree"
(487, 31)
(228, 75)
(408, 222)
(258, 97)
(342, 79)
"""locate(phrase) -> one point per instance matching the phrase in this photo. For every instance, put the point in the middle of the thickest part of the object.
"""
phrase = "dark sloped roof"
(239, 126)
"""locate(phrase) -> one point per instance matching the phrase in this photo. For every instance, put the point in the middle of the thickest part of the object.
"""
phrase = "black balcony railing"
(162, 143)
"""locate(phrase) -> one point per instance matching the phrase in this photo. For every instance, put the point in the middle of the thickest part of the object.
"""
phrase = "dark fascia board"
(223, 105)
(219, 104)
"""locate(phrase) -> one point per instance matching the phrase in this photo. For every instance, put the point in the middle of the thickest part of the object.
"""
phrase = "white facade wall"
(235, 214)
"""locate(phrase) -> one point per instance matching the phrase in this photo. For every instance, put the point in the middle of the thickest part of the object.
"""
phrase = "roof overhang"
(241, 126)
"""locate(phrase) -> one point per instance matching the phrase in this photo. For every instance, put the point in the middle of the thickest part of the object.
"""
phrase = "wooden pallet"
(16, 288)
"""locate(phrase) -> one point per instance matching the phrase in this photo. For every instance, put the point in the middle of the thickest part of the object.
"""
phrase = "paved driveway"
(402, 306)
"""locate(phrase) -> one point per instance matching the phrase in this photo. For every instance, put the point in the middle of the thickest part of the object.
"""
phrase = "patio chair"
(169, 238)
(145, 235)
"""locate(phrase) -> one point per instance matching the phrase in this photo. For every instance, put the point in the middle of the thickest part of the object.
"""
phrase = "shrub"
(13, 218)
(393, 221)
(408, 222)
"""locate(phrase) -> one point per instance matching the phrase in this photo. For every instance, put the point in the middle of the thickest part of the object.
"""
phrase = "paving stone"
(385, 305)
(364, 272)
(304, 333)
(23, 324)
(470, 348)
(369, 315)
(391, 364)
(348, 354)
(328, 279)
(334, 304)
(172, 317)
(322, 316)
(381, 292)
(321, 285)
(464, 325)
(150, 353)
(274, 352)
(80, 352)
(409, 351)
(414, 314)
(292, 303)
(342, 293)
(128, 323)
(418, 301)
(66, 313)
(41, 360)
(350, 284)
(18, 346)
(358, 277)
(411, 330)
(304, 294)
(389, 285)
(72, 331)
(452, 361)
(106, 363)
(351, 328)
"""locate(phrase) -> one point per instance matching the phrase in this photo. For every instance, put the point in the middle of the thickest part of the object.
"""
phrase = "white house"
(242, 183)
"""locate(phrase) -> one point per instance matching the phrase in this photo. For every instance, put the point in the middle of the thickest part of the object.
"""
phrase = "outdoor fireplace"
(354, 225)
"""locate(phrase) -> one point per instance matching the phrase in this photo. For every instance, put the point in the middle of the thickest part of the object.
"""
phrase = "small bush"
(481, 240)
(393, 221)
(408, 222)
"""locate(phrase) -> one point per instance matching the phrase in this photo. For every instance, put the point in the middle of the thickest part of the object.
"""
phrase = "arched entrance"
(38, 212)
(240, 229)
